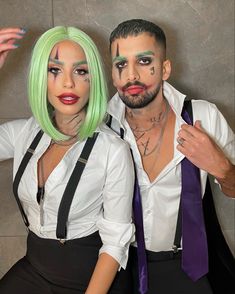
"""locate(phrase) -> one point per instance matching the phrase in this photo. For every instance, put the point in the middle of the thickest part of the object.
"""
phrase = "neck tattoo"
(143, 138)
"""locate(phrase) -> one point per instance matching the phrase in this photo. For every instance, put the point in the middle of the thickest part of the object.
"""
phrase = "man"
(146, 112)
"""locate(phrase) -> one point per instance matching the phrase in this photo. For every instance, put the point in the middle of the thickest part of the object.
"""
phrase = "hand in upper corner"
(8, 41)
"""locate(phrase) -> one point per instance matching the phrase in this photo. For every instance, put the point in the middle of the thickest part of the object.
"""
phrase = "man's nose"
(133, 73)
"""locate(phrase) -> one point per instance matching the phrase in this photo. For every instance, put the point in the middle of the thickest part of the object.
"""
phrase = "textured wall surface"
(200, 36)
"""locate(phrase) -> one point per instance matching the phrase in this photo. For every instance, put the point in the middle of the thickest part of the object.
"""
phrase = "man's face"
(138, 69)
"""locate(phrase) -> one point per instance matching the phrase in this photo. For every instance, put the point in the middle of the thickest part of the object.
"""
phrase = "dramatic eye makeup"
(52, 68)
(79, 68)
(145, 58)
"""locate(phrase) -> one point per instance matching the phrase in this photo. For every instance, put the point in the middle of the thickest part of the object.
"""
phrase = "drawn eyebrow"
(142, 54)
(56, 61)
(119, 58)
(80, 63)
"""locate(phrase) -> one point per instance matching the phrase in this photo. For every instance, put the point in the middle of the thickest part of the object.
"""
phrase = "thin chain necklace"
(160, 137)
(68, 142)
(144, 145)
(157, 121)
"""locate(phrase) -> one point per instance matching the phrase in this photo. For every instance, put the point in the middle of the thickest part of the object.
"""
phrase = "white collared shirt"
(103, 198)
(160, 199)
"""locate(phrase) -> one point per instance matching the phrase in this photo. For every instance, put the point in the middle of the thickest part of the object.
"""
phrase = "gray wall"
(200, 36)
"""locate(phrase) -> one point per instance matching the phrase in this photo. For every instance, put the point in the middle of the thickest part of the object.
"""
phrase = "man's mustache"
(129, 84)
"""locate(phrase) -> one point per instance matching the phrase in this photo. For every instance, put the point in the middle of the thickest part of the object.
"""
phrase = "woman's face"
(68, 79)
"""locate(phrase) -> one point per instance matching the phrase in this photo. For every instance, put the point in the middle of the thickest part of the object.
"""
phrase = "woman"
(77, 209)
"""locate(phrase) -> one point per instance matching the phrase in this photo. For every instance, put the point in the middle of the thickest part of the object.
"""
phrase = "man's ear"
(166, 70)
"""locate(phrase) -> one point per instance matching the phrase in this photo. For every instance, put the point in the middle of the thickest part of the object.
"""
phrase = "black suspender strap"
(178, 233)
(109, 121)
(20, 172)
(61, 230)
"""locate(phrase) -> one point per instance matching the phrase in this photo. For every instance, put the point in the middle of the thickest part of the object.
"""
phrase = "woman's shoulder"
(109, 136)
(20, 127)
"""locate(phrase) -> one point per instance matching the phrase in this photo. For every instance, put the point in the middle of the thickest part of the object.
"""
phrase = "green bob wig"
(37, 82)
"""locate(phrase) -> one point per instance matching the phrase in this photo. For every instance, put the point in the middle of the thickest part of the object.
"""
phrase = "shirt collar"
(116, 107)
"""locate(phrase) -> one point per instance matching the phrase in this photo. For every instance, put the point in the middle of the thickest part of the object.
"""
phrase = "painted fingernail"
(23, 30)
(16, 45)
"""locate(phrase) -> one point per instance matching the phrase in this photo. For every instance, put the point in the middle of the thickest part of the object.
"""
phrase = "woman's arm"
(8, 37)
(115, 226)
(103, 275)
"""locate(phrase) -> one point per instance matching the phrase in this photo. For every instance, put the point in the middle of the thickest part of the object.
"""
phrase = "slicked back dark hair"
(134, 27)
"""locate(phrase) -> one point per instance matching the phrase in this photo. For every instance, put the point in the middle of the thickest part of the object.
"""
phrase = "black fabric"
(165, 275)
(20, 172)
(221, 261)
(52, 267)
(67, 198)
(178, 231)
(109, 121)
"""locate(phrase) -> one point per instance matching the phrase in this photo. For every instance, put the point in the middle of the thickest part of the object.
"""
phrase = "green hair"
(37, 82)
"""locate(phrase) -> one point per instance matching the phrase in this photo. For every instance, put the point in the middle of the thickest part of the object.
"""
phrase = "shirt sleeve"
(9, 132)
(216, 126)
(115, 226)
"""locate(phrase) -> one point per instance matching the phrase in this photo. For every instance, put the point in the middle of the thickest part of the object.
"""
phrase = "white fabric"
(160, 199)
(103, 199)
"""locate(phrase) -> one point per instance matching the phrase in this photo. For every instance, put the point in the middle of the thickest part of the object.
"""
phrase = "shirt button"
(148, 211)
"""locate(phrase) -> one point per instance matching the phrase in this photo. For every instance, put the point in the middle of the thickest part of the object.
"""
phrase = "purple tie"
(195, 252)
(141, 254)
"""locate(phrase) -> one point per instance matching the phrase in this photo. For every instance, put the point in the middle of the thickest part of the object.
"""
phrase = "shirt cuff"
(116, 238)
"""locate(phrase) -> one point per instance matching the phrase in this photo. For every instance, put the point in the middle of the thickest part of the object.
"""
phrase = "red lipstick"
(68, 98)
(135, 90)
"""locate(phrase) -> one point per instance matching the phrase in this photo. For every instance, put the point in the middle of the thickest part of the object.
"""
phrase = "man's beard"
(139, 101)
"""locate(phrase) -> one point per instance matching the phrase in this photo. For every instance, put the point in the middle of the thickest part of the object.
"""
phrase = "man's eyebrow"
(142, 54)
(56, 61)
(119, 58)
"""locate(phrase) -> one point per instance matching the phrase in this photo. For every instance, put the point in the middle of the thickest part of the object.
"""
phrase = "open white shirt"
(160, 199)
(103, 198)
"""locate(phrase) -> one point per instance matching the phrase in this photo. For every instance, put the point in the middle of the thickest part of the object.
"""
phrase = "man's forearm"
(227, 181)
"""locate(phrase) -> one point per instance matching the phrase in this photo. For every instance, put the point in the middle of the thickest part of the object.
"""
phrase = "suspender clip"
(82, 160)
(175, 249)
(62, 241)
(30, 150)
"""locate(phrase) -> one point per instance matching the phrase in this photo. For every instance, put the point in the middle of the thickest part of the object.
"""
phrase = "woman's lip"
(65, 95)
(68, 98)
